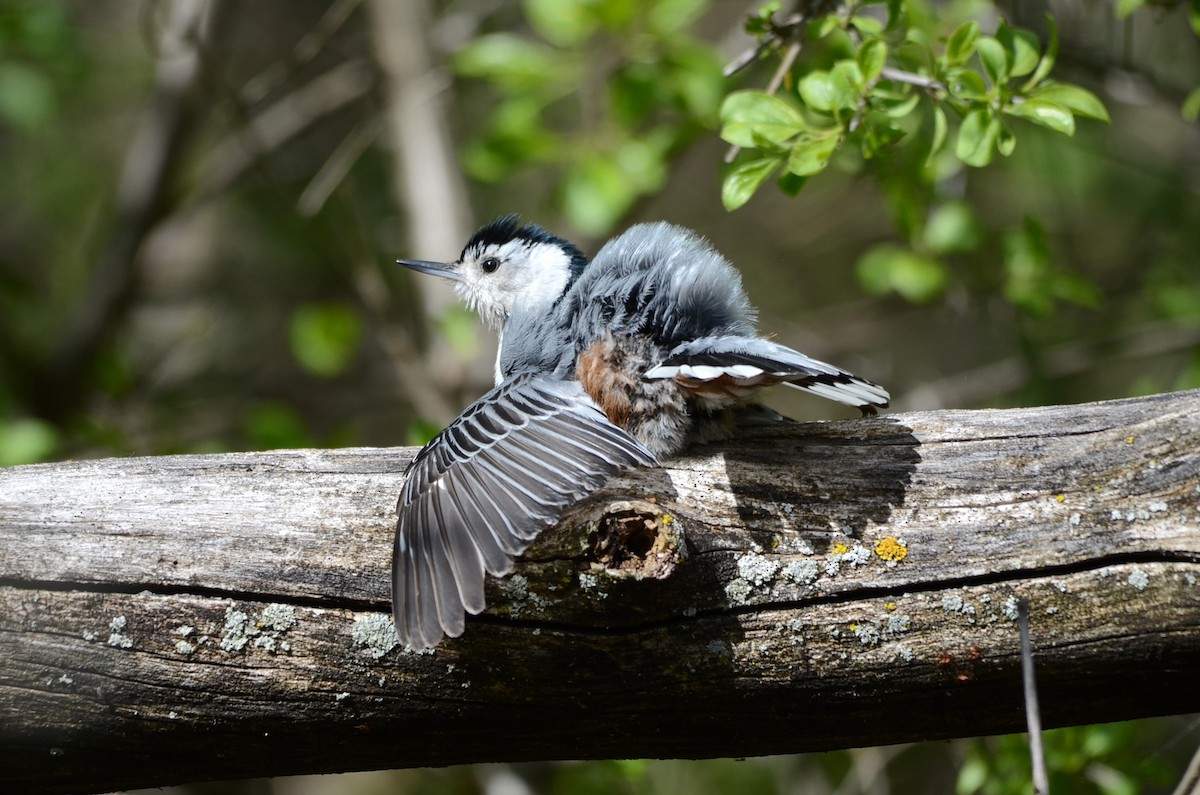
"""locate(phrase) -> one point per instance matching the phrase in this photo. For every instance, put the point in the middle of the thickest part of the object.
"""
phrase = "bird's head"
(506, 265)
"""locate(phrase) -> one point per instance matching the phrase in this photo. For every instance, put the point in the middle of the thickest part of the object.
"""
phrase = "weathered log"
(817, 586)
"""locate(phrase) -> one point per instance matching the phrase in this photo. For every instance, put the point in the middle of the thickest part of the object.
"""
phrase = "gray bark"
(201, 617)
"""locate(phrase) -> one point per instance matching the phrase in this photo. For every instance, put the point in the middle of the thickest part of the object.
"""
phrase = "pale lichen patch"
(738, 591)
(376, 633)
(757, 569)
(1138, 579)
(801, 572)
(1010, 609)
(117, 637)
(277, 617)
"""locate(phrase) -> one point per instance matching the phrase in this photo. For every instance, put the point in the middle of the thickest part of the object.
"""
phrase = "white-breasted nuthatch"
(602, 366)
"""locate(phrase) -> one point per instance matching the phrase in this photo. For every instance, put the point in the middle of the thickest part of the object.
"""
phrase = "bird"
(604, 365)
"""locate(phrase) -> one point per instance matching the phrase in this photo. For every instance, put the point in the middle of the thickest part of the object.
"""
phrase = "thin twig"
(1033, 716)
(911, 78)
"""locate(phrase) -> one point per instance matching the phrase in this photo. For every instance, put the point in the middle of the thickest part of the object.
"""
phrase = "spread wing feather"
(482, 490)
(741, 364)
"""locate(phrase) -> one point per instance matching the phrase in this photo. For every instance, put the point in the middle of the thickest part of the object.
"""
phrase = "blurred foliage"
(882, 92)
(912, 231)
(602, 93)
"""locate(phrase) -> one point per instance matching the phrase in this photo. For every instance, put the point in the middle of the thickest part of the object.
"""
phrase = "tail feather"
(737, 366)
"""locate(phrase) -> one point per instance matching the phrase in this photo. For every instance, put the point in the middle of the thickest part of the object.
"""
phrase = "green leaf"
(868, 25)
(749, 113)
(872, 57)
(811, 155)
(790, 183)
(961, 45)
(969, 85)
(1078, 100)
(459, 326)
(1022, 47)
(939, 134)
(878, 133)
(994, 58)
(1191, 105)
(889, 268)
(512, 62)
(325, 337)
(563, 22)
(1047, 114)
(668, 16)
(26, 441)
(27, 98)
(848, 84)
(977, 138)
(743, 180)
(1006, 142)
(1047, 63)
(903, 107)
(816, 89)
(596, 193)
(952, 228)
(1127, 7)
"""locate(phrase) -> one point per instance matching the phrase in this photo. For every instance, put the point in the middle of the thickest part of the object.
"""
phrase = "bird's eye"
(489, 264)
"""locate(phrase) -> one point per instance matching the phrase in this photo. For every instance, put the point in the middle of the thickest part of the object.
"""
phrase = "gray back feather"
(657, 279)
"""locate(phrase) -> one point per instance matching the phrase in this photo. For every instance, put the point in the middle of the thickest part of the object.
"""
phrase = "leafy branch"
(881, 75)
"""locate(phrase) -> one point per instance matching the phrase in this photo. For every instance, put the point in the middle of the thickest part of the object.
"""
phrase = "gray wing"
(736, 366)
(480, 492)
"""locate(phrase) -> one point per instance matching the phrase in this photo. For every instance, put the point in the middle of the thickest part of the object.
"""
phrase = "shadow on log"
(820, 586)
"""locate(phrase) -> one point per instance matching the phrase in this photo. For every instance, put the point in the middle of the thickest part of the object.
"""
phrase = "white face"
(493, 279)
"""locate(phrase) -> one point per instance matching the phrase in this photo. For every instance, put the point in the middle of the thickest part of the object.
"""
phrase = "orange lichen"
(891, 549)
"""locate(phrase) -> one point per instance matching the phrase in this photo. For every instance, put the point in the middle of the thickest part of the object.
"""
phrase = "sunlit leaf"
(668, 16)
(26, 441)
(811, 155)
(868, 25)
(1078, 100)
(817, 91)
(1048, 57)
(969, 85)
(596, 192)
(564, 22)
(994, 58)
(512, 61)
(1191, 105)
(848, 83)
(749, 113)
(977, 138)
(1127, 7)
(902, 108)
(952, 228)
(743, 180)
(961, 45)
(1022, 47)
(890, 268)
(872, 57)
(939, 134)
(1047, 114)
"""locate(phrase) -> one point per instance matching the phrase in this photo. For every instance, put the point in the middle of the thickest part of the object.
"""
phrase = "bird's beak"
(444, 269)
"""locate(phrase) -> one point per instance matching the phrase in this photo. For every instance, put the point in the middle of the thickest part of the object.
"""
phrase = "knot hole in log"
(637, 539)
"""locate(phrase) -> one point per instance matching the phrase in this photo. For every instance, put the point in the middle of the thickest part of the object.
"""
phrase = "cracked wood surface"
(817, 586)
